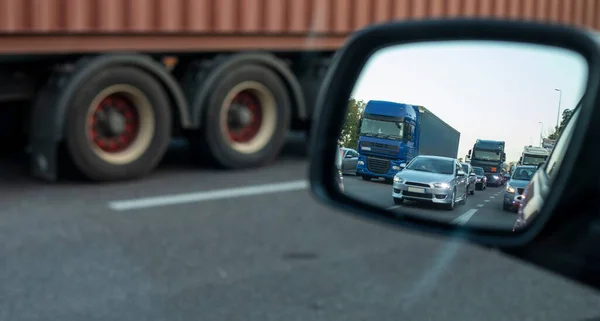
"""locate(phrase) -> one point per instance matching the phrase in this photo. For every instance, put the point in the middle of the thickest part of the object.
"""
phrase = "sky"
(484, 89)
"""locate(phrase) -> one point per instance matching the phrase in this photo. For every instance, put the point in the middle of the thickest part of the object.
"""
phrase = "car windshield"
(524, 174)
(478, 170)
(432, 165)
(381, 128)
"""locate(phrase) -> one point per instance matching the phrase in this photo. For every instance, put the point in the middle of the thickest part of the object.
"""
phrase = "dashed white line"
(165, 200)
(479, 205)
(486, 201)
(465, 217)
(392, 207)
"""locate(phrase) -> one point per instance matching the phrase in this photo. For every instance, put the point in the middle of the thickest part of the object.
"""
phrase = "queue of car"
(444, 180)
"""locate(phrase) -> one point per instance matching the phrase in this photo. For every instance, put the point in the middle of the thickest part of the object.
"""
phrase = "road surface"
(191, 243)
(483, 209)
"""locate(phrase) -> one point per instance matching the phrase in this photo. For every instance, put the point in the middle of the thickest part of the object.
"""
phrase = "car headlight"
(396, 168)
(398, 179)
(496, 176)
(510, 189)
(361, 163)
(441, 185)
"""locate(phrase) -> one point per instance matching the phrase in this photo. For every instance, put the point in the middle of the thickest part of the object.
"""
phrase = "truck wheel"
(366, 178)
(118, 125)
(246, 120)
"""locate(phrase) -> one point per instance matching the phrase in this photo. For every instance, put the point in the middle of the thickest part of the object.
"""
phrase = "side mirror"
(472, 174)
(403, 165)
(469, 153)
(359, 125)
(503, 157)
(416, 47)
(348, 156)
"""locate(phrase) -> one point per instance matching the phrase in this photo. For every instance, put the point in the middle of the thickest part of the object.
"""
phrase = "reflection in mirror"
(455, 131)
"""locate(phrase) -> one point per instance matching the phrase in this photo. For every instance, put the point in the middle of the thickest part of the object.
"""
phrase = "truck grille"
(378, 165)
(384, 149)
(378, 145)
(417, 184)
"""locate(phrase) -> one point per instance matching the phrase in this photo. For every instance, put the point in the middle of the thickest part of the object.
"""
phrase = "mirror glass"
(424, 117)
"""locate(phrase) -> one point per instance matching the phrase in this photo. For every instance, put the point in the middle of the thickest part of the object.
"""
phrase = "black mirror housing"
(348, 64)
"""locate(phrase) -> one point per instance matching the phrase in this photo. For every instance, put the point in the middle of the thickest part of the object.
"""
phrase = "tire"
(398, 201)
(366, 178)
(451, 206)
(505, 207)
(261, 87)
(472, 192)
(136, 90)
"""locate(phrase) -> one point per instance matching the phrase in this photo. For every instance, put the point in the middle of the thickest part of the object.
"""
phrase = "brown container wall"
(328, 20)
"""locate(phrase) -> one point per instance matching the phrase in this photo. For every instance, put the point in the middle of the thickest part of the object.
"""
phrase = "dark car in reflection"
(480, 179)
(493, 179)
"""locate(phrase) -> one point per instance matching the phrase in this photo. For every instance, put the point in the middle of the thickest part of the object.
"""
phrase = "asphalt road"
(191, 243)
(483, 209)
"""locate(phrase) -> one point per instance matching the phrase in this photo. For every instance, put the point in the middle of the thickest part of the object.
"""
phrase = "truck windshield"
(380, 128)
(486, 155)
(432, 165)
(533, 159)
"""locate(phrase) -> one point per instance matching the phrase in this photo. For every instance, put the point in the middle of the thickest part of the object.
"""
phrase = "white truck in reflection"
(534, 156)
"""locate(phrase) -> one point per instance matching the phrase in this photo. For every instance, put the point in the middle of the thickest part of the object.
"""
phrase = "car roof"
(437, 157)
(526, 166)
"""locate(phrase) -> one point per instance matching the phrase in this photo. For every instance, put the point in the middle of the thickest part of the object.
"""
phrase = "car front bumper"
(423, 194)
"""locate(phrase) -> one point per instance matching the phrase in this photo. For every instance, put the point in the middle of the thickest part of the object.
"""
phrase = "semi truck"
(489, 155)
(391, 134)
(534, 156)
(103, 86)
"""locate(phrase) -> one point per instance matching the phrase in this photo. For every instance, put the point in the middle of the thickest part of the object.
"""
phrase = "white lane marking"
(479, 205)
(165, 200)
(392, 207)
(465, 217)
(486, 201)
(492, 196)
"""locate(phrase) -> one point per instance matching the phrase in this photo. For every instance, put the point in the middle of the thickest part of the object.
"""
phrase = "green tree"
(566, 116)
(349, 135)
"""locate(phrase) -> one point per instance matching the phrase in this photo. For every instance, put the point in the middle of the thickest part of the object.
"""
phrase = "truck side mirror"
(469, 153)
(359, 125)
(503, 156)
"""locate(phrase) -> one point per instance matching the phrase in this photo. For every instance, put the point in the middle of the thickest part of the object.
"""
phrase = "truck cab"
(534, 156)
(386, 139)
(489, 155)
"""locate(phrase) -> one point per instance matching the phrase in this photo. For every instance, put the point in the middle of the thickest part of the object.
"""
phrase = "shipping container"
(436, 136)
(112, 81)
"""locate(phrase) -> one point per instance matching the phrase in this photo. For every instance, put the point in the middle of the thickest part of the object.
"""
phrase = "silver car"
(433, 179)
(349, 161)
(471, 177)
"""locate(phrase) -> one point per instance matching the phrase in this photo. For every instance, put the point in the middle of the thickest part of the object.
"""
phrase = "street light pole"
(541, 133)
(558, 112)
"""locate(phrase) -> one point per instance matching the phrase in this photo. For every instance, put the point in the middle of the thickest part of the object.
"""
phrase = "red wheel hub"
(114, 124)
(244, 118)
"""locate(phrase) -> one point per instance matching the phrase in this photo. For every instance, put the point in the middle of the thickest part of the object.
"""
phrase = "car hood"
(424, 177)
(517, 183)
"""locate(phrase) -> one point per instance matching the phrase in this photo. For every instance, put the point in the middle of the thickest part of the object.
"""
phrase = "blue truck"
(489, 155)
(393, 133)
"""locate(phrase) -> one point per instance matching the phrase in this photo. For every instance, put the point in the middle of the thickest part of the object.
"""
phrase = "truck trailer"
(108, 83)
(394, 133)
